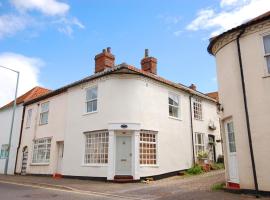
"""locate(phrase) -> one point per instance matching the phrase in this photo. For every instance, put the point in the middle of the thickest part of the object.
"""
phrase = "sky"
(53, 42)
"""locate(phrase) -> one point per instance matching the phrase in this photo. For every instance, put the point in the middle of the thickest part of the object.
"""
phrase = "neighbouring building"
(243, 71)
(120, 122)
(5, 127)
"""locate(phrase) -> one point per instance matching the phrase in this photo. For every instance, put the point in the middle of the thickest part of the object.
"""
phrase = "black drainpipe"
(247, 114)
(191, 127)
(19, 139)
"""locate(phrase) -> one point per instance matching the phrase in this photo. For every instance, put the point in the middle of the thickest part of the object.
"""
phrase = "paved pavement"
(175, 188)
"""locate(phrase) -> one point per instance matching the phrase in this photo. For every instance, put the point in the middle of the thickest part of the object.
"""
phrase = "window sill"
(39, 164)
(89, 113)
(150, 166)
(43, 124)
(266, 76)
(198, 120)
(94, 165)
(175, 118)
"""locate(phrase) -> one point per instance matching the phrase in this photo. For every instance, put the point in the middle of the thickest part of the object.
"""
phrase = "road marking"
(87, 193)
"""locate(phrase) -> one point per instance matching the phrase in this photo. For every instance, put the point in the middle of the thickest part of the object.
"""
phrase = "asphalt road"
(19, 192)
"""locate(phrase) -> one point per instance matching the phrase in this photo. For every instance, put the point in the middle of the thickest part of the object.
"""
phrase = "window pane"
(268, 63)
(148, 148)
(231, 138)
(45, 107)
(41, 152)
(96, 147)
(91, 94)
(266, 41)
(29, 116)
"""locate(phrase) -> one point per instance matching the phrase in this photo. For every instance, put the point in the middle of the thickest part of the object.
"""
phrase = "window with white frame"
(148, 147)
(91, 99)
(28, 118)
(197, 109)
(173, 105)
(199, 143)
(41, 151)
(96, 147)
(266, 41)
(44, 113)
(4, 151)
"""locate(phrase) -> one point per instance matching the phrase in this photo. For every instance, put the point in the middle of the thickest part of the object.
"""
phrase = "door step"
(123, 179)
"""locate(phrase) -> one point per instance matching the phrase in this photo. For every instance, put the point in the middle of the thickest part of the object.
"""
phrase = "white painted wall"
(258, 96)
(54, 129)
(5, 125)
(121, 99)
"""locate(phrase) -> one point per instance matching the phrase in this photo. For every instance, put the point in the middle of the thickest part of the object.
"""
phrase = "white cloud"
(47, 7)
(10, 24)
(29, 74)
(170, 19)
(238, 12)
(177, 33)
(66, 25)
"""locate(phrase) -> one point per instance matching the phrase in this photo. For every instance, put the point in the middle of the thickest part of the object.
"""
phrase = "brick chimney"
(149, 64)
(104, 60)
(193, 87)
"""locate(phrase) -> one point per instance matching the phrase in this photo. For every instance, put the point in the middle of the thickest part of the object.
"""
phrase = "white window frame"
(266, 55)
(231, 136)
(4, 151)
(178, 107)
(43, 112)
(43, 148)
(94, 149)
(197, 109)
(148, 148)
(91, 100)
(198, 145)
(29, 118)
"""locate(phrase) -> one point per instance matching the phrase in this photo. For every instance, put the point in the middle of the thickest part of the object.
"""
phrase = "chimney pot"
(104, 60)
(149, 64)
(193, 87)
(146, 53)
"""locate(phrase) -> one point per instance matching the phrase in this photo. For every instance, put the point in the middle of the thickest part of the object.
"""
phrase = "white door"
(123, 155)
(60, 157)
(24, 161)
(232, 155)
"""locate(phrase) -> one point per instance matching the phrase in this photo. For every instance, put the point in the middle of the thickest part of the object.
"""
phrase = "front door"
(60, 146)
(212, 148)
(123, 155)
(24, 161)
(232, 155)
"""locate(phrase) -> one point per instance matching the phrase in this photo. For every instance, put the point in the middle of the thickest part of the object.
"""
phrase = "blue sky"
(54, 42)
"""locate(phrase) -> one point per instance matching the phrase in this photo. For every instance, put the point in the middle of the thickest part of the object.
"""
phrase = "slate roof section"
(122, 68)
(253, 21)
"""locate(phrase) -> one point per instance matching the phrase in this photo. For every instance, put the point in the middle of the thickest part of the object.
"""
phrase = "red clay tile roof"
(31, 94)
(213, 95)
(255, 20)
(122, 68)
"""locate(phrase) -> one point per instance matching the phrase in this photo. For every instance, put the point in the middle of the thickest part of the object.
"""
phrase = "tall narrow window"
(28, 118)
(231, 138)
(41, 151)
(266, 41)
(44, 113)
(197, 109)
(4, 151)
(96, 147)
(148, 148)
(173, 105)
(199, 143)
(91, 99)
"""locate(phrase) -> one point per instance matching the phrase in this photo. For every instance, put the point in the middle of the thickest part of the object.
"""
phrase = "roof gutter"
(247, 113)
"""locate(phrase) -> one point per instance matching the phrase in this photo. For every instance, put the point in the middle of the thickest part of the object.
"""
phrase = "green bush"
(218, 186)
(195, 170)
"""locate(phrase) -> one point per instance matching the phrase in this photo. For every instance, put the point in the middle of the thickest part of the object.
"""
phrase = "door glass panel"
(231, 138)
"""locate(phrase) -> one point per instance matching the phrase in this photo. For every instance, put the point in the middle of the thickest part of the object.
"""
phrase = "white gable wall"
(5, 125)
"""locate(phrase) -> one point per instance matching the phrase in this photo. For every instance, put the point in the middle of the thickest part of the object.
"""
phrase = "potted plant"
(203, 157)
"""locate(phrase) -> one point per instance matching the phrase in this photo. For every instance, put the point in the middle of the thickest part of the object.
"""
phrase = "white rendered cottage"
(6, 112)
(121, 121)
